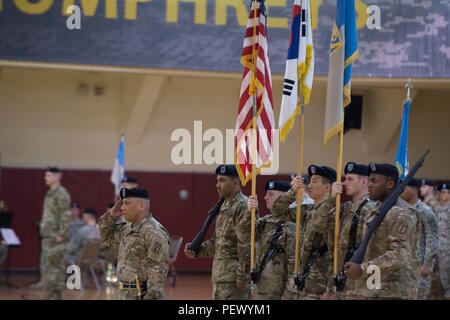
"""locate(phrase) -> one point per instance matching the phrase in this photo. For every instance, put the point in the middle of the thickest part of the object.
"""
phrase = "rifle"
(339, 279)
(316, 253)
(358, 256)
(274, 249)
(196, 244)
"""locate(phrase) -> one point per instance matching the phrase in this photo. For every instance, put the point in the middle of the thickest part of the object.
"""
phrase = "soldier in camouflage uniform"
(89, 231)
(76, 222)
(230, 243)
(444, 238)
(275, 243)
(427, 192)
(53, 230)
(314, 224)
(143, 246)
(431, 195)
(393, 247)
(351, 220)
(429, 240)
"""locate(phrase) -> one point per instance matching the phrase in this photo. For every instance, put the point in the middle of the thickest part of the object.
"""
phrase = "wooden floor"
(188, 287)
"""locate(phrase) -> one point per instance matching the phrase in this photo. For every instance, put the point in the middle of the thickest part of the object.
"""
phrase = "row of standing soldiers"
(404, 247)
(403, 250)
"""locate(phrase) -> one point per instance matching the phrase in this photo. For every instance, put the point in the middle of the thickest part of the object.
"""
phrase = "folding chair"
(89, 259)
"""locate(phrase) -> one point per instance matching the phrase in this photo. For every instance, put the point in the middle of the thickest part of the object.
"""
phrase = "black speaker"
(353, 114)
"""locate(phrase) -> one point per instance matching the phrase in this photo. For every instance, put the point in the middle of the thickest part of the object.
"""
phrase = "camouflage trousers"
(347, 296)
(229, 291)
(445, 271)
(257, 295)
(292, 293)
(436, 290)
(264, 290)
(425, 284)
(54, 267)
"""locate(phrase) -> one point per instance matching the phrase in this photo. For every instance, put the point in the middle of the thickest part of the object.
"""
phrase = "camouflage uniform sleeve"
(329, 239)
(431, 237)
(280, 208)
(398, 248)
(208, 247)
(109, 231)
(158, 255)
(243, 230)
(259, 225)
(63, 209)
(288, 239)
(74, 244)
(321, 216)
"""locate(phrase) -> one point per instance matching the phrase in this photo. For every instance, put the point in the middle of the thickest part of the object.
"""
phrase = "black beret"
(278, 186)
(384, 169)
(129, 180)
(74, 205)
(134, 193)
(445, 186)
(427, 182)
(227, 170)
(414, 183)
(90, 211)
(359, 169)
(322, 171)
(53, 169)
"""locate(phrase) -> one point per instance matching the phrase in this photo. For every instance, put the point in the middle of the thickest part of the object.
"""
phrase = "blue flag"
(401, 161)
(118, 172)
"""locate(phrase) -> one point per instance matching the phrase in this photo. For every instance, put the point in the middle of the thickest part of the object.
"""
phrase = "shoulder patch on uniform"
(402, 228)
(156, 247)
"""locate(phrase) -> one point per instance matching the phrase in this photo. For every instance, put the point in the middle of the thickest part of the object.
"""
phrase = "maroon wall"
(24, 191)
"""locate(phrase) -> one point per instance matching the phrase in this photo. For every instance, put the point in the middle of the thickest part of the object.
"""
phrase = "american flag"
(264, 102)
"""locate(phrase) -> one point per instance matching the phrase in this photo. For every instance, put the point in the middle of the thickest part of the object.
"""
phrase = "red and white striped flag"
(264, 102)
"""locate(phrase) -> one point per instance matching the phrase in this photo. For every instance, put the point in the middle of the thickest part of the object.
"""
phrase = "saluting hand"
(115, 210)
(252, 202)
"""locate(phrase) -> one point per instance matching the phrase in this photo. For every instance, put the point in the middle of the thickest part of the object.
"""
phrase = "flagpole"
(252, 91)
(338, 197)
(409, 86)
(298, 195)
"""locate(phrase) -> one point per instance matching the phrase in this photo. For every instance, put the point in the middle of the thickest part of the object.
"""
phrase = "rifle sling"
(273, 249)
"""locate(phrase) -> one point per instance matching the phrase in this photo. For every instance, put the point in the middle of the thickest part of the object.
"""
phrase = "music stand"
(6, 218)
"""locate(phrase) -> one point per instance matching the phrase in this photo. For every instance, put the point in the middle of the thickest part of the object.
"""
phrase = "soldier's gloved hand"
(298, 185)
(115, 210)
(241, 286)
(189, 253)
(252, 202)
(336, 188)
